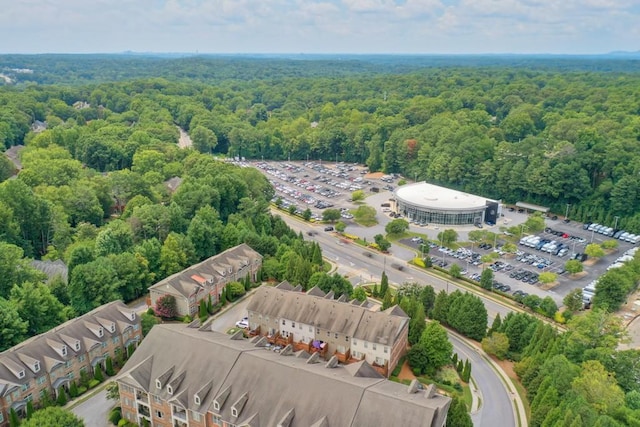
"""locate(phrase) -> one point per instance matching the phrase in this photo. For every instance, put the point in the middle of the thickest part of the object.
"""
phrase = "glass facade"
(431, 215)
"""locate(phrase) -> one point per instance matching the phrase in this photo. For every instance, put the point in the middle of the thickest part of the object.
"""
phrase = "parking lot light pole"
(615, 225)
(566, 214)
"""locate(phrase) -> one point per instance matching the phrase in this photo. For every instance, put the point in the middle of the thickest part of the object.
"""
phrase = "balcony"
(144, 411)
(382, 369)
(254, 332)
(282, 341)
(180, 414)
(142, 397)
(342, 357)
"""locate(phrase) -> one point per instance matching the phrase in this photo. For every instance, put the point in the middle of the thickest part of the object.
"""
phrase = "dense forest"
(514, 133)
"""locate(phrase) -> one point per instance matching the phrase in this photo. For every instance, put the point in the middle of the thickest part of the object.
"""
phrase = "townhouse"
(316, 322)
(208, 277)
(187, 377)
(48, 363)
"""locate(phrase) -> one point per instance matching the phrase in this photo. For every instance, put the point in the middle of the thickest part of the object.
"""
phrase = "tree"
(148, 321)
(357, 196)
(612, 289)
(573, 300)
(383, 244)
(14, 419)
(468, 315)
(61, 400)
(448, 236)
(594, 250)
(548, 307)
(359, 294)
(93, 284)
(458, 416)
(436, 343)
(331, 215)
(497, 344)
(235, 290)
(573, 266)
(97, 374)
(466, 371)
(365, 215)
(417, 325)
(486, 278)
(13, 329)
(397, 226)
(37, 305)
(306, 214)
(204, 140)
(53, 417)
(598, 387)
(166, 307)
(340, 226)
(547, 277)
(427, 297)
(73, 390)
(609, 244)
(177, 253)
(109, 367)
(113, 392)
(384, 284)
(535, 223)
(387, 301)
(455, 271)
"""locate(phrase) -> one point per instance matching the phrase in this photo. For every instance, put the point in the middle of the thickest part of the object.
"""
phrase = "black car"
(328, 228)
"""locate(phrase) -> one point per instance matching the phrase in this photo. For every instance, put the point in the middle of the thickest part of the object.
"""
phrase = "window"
(21, 374)
(100, 332)
(346, 339)
(158, 384)
(77, 345)
(216, 419)
(41, 380)
(355, 342)
(29, 397)
(1, 417)
(71, 375)
(336, 335)
(386, 349)
(195, 416)
(112, 328)
(196, 399)
(126, 388)
(136, 327)
(104, 344)
(318, 331)
(63, 350)
(159, 414)
(81, 358)
(157, 399)
(67, 364)
(380, 361)
(374, 346)
(293, 324)
(25, 386)
(116, 339)
(169, 389)
(310, 329)
(366, 344)
(284, 322)
(36, 366)
(234, 412)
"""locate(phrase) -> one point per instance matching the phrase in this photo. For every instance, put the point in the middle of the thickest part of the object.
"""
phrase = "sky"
(320, 26)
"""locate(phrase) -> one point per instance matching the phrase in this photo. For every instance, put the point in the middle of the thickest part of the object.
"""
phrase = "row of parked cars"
(611, 232)
(545, 245)
(589, 291)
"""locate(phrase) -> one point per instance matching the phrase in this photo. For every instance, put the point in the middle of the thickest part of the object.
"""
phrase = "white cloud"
(423, 26)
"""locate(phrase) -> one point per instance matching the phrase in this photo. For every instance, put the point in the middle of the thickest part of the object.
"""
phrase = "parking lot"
(519, 273)
(319, 186)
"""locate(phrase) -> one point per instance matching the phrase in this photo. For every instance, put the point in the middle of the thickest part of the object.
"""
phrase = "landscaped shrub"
(93, 383)
(115, 415)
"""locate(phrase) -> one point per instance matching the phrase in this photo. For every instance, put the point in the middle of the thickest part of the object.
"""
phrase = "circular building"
(427, 203)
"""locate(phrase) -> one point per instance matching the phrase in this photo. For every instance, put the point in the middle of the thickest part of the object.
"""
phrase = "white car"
(243, 323)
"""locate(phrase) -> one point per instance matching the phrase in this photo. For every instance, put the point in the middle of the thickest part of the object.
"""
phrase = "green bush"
(82, 390)
(151, 311)
(115, 416)
(93, 383)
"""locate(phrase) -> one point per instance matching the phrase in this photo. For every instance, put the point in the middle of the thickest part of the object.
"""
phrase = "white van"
(623, 236)
(636, 240)
(593, 226)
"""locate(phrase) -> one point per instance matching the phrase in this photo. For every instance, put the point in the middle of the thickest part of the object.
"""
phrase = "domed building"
(427, 203)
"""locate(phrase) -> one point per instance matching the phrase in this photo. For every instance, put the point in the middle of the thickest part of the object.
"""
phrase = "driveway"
(95, 410)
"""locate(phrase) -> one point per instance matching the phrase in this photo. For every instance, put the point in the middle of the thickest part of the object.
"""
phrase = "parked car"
(328, 228)
(243, 323)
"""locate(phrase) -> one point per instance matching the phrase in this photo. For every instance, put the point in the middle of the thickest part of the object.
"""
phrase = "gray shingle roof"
(47, 348)
(266, 386)
(187, 281)
(336, 316)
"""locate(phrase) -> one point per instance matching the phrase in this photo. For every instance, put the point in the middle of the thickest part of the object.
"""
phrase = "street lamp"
(566, 214)
(615, 226)
(522, 227)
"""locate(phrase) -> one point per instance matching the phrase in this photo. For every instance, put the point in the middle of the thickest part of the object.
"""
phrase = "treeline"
(122, 231)
(509, 133)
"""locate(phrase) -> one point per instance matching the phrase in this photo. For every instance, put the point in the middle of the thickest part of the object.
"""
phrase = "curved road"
(496, 406)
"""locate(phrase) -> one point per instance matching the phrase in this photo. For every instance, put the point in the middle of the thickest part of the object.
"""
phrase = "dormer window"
(169, 389)
(158, 384)
(196, 399)
(63, 350)
(100, 331)
(36, 366)
(21, 374)
(112, 328)
(234, 412)
(132, 316)
(216, 405)
(77, 346)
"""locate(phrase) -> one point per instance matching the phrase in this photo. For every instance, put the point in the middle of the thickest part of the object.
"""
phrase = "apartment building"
(208, 277)
(315, 322)
(49, 362)
(186, 377)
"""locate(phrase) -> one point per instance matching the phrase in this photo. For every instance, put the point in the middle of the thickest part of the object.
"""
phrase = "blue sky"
(320, 26)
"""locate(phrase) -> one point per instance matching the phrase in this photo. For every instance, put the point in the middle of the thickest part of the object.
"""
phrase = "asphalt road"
(95, 410)
(496, 401)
